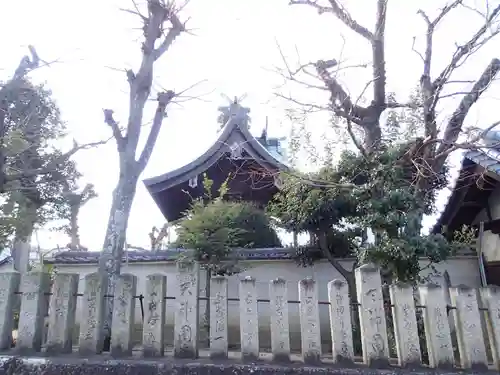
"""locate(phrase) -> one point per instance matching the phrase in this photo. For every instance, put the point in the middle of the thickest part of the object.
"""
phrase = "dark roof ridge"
(90, 257)
(221, 146)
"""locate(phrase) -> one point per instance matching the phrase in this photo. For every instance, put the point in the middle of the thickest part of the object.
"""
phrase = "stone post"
(62, 313)
(280, 329)
(309, 322)
(218, 317)
(93, 307)
(405, 325)
(187, 312)
(491, 296)
(249, 319)
(340, 321)
(372, 315)
(437, 326)
(9, 285)
(122, 323)
(153, 333)
(34, 287)
(468, 327)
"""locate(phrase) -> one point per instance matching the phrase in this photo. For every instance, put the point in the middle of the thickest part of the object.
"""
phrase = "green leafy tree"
(33, 126)
(337, 204)
(213, 227)
(31, 166)
(376, 121)
(18, 108)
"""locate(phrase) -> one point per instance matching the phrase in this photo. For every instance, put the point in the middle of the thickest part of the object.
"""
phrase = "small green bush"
(211, 230)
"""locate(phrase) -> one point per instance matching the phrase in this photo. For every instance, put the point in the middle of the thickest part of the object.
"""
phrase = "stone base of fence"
(416, 331)
(10, 365)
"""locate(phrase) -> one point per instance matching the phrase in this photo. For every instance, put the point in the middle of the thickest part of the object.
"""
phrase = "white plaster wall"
(462, 270)
(491, 241)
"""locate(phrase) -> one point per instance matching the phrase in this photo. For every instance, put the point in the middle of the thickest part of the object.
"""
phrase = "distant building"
(475, 199)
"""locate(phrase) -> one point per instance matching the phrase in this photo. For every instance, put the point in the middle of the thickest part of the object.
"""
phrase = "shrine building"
(251, 165)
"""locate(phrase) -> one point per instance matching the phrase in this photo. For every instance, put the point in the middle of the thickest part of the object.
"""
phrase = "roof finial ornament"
(235, 111)
(264, 131)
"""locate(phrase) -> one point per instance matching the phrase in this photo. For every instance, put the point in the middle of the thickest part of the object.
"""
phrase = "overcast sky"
(233, 48)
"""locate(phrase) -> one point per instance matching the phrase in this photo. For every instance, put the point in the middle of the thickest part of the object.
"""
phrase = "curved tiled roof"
(92, 257)
(170, 190)
(233, 132)
(487, 157)
(6, 260)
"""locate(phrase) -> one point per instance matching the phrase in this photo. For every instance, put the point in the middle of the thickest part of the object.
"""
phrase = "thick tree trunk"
(22, 242)
(74, 230)
(21, 248)
(157, 40)
(21, 254)
(114, 242)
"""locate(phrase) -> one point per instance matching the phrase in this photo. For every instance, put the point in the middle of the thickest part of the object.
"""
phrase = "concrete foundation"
(103, 365)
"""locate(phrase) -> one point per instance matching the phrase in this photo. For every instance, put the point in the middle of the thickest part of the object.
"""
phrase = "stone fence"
(384, 321)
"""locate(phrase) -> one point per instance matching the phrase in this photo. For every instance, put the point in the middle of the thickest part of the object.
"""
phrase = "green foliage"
(213, 227)
(378, 192)
(404, 123)
(32, 128)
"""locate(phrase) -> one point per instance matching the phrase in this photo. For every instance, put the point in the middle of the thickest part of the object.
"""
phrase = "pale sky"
(233, 49)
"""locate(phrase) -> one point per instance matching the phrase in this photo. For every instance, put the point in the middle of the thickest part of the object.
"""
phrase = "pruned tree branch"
(174, 32)
(159, 12)
(378, 56)
(117, 134)
(339, 97)
(473, 143)
(454, 126)
(464, 51)
(340, 12)
(164, 98)
(354, 139)
(53, 164)
(27, 64)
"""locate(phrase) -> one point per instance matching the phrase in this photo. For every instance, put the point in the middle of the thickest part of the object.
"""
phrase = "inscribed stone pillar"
(153, 333)
(372, 315)
(9, 285)
(309, 321)
(122, 323)
(437, 326)
(62, 313)
(218, 317)
(405, 325)
(340, 321)
(280, 329)
(468, 327)
(93, 305)
(34, 287)
(492, 301)
(187, 312)
(249, 319)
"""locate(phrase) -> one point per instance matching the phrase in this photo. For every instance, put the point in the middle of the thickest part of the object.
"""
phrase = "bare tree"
(435, 145)
(158, 236)
(365, 123)
(73, 201)
(161, 26)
